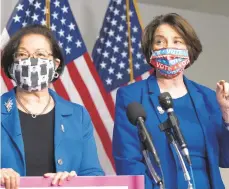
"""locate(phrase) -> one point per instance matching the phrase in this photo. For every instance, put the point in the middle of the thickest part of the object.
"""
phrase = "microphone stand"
(167, 129)
(149, 165)
(183, 166)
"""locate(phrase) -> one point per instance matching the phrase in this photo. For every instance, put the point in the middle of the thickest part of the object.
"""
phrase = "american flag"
(117, 46)
(80, 82)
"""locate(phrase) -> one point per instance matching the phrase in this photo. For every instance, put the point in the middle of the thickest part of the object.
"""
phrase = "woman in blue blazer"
(171, 45)
(41, 133)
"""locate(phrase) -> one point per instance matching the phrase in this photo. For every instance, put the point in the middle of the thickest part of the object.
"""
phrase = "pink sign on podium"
(88, 182)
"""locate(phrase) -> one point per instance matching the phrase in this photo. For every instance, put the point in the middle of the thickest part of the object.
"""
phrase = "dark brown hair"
(185, 30)
(14, 42)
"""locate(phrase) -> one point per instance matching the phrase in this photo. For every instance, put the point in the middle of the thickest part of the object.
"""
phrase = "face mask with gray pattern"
(33, 74)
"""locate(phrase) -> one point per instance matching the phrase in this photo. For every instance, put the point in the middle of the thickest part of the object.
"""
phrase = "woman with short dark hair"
(12, 49)
(182, 27)
(41, 133)
(171, 45)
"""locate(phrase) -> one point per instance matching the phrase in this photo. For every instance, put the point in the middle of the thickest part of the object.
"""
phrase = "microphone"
(166, 103)
(137, 116)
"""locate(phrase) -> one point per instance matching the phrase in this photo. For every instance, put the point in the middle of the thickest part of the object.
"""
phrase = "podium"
(87, 182)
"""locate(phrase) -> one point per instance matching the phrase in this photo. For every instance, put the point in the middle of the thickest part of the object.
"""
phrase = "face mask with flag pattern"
(170, 62)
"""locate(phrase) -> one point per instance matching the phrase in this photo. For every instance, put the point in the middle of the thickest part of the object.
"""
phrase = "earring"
(56, 75)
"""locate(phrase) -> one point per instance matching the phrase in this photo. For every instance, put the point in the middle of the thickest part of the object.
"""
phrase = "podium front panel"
(87, 182)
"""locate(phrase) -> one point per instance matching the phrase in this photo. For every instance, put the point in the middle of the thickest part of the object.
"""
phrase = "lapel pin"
(9, 105)
(160, 110)
(62, 128)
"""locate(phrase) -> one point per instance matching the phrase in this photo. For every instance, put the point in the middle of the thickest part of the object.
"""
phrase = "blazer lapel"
(154, 92)
(201, 110)
(11, 123)
(207, 127)
(62, 111)
(156, 118)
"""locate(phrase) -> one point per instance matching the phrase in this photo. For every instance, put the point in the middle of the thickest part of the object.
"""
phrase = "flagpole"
(47, 14)
(129, 41)
(138, 13)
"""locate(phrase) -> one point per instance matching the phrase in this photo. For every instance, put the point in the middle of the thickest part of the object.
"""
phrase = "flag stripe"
(70, 88)
(113, 94)
(138, 78)
(4, 38)
(90, 106)
(3, 86)
(146, 75)
(104, 160)
(8, 82)
(106, 96)
(59, 88)
(95, 94)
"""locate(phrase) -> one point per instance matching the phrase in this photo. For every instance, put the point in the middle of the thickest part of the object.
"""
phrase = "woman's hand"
(9, 178)
(222, 93)
(58, 178)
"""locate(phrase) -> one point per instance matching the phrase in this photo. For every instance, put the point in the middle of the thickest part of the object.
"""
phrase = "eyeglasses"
(23, 54)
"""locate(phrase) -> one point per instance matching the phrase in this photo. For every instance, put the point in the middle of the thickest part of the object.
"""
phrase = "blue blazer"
(74, 147)
(126, 145)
